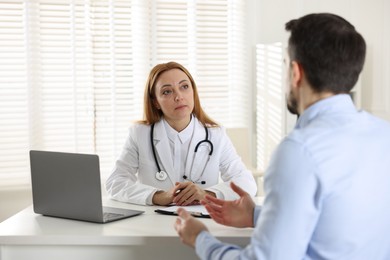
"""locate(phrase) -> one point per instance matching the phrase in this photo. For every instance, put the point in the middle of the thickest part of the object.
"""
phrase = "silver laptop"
(67, 185)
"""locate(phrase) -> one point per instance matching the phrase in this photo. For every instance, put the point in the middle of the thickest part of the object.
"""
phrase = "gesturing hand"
(237, 213)
(188, 227)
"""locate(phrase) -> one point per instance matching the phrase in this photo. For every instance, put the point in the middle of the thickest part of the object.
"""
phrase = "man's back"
(327, 187)
(349, 154)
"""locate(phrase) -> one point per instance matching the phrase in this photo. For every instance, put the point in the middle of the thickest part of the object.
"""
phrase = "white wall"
(371, 19)
(13, 200)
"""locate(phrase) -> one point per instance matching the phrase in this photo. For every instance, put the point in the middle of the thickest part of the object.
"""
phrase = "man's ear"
(296, 74)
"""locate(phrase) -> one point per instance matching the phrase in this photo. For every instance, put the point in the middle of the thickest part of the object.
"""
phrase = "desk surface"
(26, 227)
(148, 229)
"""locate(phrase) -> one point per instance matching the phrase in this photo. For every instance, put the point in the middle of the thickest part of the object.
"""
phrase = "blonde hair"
(152, 114)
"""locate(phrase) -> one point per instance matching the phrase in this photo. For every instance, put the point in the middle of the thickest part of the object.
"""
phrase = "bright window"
(270, 101)
(72, 73)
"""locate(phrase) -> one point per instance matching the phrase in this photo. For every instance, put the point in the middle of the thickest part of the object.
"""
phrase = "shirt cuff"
(201, 242)
(256, 214)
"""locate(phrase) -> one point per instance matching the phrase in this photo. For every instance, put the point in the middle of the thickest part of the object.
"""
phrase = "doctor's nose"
(178, 97)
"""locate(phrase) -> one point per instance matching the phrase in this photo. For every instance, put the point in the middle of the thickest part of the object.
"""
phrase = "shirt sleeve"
(288, 215)
(208, 247)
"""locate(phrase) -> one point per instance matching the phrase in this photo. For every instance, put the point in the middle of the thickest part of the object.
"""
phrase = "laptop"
(67, 185)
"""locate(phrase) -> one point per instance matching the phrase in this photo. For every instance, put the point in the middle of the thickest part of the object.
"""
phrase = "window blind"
(208, 37)
(270, 101)
(14, 94)
(73, 72)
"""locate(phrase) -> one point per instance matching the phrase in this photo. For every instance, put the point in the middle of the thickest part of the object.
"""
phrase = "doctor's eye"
(166, 92)
(185, 86)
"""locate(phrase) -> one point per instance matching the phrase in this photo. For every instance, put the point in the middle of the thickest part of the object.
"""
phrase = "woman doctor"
(177, 153)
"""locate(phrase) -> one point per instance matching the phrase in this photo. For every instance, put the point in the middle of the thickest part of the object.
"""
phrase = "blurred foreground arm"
(188, 227)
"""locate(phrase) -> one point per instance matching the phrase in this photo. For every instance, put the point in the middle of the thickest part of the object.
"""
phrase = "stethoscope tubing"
(206, 140)
(153, 148)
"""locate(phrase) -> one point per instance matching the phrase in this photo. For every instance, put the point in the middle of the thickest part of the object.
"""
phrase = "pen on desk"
(195, 213)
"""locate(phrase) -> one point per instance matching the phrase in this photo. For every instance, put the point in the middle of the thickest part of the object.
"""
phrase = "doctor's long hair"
(152, 114)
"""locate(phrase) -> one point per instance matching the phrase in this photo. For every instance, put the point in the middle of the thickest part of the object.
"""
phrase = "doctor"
(177, 154)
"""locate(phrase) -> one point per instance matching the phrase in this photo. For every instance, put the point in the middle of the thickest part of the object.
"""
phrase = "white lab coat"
(133, 178)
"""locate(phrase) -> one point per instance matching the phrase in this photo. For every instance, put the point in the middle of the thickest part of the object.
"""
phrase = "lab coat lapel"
(161, 143)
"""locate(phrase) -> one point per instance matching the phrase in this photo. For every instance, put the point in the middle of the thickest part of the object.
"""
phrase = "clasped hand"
(182, 194)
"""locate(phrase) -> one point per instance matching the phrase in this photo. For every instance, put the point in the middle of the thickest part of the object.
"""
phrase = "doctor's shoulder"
(138, 131)
(216, 132)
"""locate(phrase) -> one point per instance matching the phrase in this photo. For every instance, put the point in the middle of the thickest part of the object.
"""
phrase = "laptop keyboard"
(110, 215)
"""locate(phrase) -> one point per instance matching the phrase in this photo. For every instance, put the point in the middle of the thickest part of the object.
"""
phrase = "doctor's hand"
(163, 198)
(237, 213)
(188, 227)
(188, 193)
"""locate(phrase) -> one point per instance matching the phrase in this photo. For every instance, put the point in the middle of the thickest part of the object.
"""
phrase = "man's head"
(329, 51)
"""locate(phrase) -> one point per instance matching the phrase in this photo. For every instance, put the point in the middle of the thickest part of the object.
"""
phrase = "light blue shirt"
(327, 191)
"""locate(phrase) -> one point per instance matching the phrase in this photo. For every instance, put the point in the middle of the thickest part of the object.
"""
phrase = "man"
(327, 189)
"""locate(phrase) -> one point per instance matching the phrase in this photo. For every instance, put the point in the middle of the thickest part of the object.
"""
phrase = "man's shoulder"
(341, 128)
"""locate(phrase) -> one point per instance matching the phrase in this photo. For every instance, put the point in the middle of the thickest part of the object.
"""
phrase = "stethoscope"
(162, 175)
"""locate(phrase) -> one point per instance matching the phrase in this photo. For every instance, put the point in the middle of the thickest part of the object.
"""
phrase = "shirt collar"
(184, 135)
(331, 105)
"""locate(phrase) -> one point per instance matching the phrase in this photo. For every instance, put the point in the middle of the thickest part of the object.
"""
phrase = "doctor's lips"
(180, 107)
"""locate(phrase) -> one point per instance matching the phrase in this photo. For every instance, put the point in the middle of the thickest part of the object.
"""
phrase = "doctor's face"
(175, 97)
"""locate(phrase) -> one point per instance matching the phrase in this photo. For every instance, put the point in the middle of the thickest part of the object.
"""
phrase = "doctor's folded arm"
(176, 154)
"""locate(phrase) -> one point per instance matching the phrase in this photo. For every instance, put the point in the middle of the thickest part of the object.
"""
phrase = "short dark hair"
(329, 49)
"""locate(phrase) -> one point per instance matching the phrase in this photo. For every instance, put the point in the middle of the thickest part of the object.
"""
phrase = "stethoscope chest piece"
(161, 175)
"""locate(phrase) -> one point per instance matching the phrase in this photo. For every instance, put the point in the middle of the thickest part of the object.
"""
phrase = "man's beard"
(292, 104)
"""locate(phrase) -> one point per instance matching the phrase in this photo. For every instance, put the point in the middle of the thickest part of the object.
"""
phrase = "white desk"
(27, 235)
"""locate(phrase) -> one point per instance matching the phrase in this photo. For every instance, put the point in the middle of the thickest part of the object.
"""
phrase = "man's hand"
(188, 227)
(237, 213)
